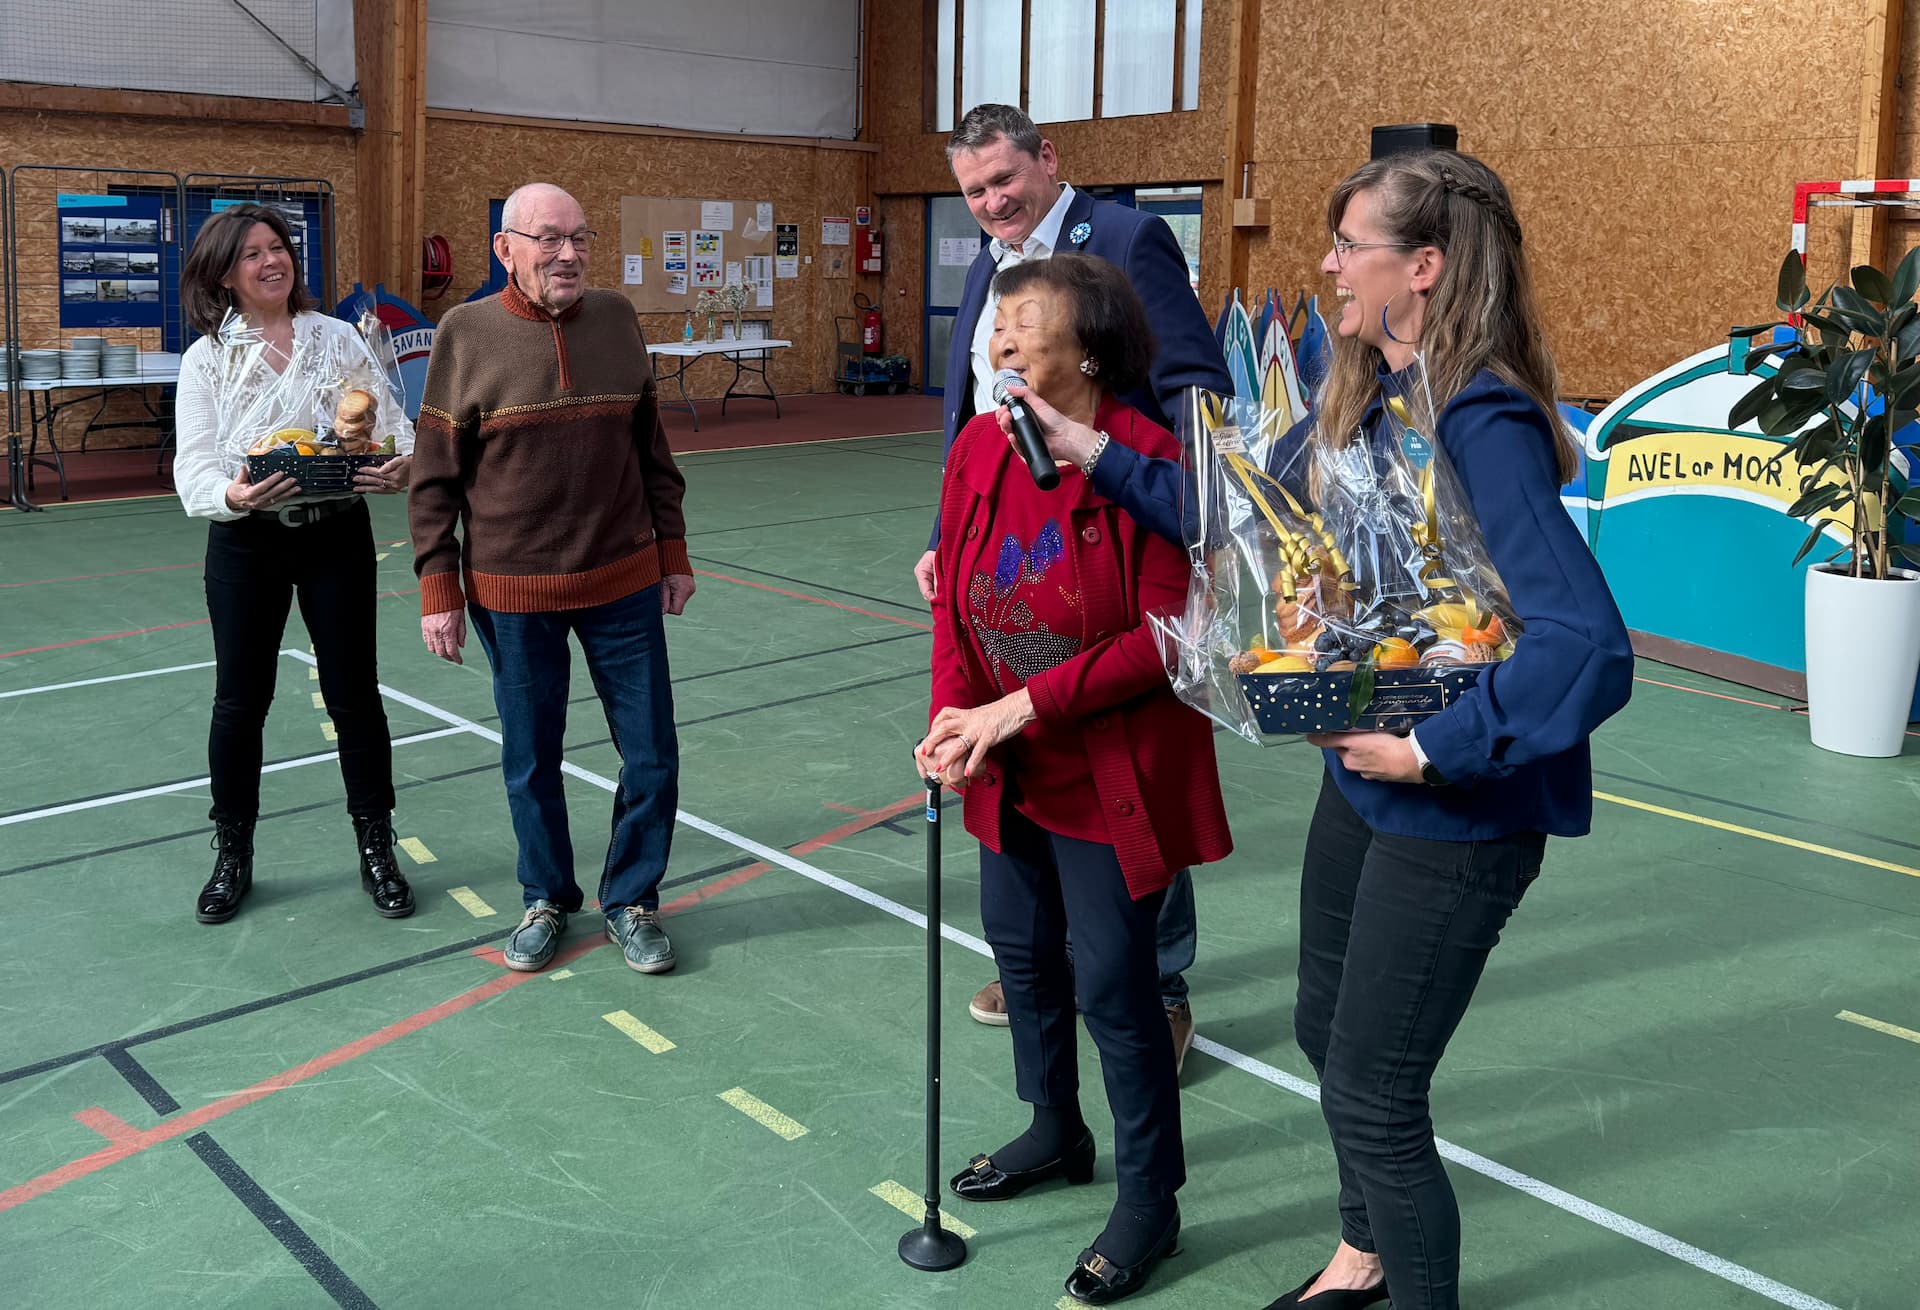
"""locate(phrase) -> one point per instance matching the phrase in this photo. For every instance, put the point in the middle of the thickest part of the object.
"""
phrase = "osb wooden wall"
(1147, 150)
(143, 143)
(473, 163)
(1651, 148)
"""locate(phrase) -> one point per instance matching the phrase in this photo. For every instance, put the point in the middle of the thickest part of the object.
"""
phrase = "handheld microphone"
(1026, 432)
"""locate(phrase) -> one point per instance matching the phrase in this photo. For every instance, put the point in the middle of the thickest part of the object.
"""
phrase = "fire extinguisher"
(870, 329)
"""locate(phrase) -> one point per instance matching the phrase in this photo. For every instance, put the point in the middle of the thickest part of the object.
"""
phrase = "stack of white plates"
(40, 365)
(119, 361)
(79, 365)
(95, 344)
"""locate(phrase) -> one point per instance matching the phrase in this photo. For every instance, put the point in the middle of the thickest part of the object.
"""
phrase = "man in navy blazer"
(1009, 175)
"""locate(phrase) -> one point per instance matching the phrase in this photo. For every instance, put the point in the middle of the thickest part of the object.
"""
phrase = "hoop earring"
(1388, 330)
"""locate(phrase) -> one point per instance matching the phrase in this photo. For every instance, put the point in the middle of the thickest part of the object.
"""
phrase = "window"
(1060, 61)
(1084, 58)
(1180, 207)
(1137, 59)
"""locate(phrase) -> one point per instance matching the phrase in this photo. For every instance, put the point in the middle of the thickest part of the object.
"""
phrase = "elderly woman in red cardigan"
(1087, 783)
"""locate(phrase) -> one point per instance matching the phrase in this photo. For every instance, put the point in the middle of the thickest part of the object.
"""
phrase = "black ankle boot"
(379, 875)
(232, 873)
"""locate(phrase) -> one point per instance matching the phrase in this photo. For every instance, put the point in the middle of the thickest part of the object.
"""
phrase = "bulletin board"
(110, 253)
(673, 249)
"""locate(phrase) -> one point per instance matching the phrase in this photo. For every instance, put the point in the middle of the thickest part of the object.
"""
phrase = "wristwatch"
(1429, 771)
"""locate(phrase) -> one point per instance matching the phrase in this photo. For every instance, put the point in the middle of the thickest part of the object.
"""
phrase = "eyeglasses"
(1341, 248)
(550, 242)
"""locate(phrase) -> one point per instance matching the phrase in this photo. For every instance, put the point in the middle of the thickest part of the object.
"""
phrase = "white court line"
(95, 682)
(1685, 1252)
(121, 798)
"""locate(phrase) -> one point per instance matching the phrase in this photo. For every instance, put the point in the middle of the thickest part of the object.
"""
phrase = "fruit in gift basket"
(1245, 662)
(1287, 664)
(1485, 631)
(1395, 653)
(296, 437)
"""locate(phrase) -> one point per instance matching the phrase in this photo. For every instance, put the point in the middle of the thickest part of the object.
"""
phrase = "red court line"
(105, 1122)
(1737, 700)
(88, 577)
(134, 1141)
(111, 636)
(816, 600)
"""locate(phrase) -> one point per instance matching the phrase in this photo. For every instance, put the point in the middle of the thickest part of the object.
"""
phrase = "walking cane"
(931, 1247)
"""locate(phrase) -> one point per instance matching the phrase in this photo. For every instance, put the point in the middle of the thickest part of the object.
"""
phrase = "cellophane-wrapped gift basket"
(331, 412)
(1340, 581)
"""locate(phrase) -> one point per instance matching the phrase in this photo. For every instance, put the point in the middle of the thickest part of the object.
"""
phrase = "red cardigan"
(1151, 756)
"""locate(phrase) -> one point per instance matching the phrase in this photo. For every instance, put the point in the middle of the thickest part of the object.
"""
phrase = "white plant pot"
(1863, 652)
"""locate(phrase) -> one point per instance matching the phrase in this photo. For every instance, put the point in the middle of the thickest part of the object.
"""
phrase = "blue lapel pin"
(1080, 233)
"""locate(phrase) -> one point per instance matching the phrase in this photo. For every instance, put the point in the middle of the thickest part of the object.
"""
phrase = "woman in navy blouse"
(1422, 845)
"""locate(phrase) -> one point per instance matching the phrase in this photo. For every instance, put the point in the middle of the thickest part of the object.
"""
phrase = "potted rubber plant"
(1846, 381)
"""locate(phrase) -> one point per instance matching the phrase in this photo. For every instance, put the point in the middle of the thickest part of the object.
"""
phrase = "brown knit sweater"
(540, 440)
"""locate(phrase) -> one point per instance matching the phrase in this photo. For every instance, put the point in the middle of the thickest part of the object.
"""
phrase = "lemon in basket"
(302, 439)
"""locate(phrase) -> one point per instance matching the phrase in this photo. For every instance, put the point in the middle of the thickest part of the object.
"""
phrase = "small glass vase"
(712, 331)
(738, 333)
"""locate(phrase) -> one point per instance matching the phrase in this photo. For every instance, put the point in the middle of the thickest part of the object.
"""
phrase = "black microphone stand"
(931, 1247)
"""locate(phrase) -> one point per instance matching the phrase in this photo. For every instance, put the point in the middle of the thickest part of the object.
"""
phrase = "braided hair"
(1481, 312)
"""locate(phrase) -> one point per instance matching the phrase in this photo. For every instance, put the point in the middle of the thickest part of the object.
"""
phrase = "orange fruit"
(1395, 653)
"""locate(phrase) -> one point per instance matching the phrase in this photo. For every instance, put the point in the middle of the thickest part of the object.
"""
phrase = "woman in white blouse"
(267, 544)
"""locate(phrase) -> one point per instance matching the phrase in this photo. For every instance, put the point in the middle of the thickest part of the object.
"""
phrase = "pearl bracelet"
(1099, 449)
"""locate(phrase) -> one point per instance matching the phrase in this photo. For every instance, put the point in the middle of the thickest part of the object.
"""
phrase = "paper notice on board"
(635, 272)
(958, 251)
(673, 252)
(676, 284)
(646, 247)
(734, 278)
(836, 232)
(760, 278)
(717, 214)
(786, 250)
(763, 214)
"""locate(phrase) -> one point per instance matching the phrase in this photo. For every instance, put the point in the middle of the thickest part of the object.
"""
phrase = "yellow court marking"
(313, 673)
(558, 974)
(763, 1114)
(1880, 1026)
(382, 555)
(1066, 1303)
(326, 730)
(319, 701)
(646, 1036)
(913, 1206)
(1758, 835)
(418, 850)
(471, 903)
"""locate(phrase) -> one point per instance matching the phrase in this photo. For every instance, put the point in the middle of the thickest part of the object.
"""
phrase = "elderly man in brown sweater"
(540, 442)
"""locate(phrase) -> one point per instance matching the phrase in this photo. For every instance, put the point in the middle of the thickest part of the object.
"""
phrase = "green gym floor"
(1688, 1080)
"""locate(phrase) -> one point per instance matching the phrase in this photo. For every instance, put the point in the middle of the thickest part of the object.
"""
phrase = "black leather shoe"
(379, 875)
(982, 1181)
(1329, 1300)
(1096, 1280)
(232, 873)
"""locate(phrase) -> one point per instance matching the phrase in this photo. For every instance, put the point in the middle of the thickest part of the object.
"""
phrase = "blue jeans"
(1175, 939)
(626, 649)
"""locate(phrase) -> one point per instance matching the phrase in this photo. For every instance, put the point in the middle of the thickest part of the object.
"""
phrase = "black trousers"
(1029, 894)
(1394, 934)
(256, 566)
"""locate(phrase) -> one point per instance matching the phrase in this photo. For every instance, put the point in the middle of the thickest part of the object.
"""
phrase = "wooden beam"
(959, 60)
(1099, 56)
(1179, 53)
(1026, 56)
(1878, 124)
(1243, 67)
(634, 129)
(170, 104)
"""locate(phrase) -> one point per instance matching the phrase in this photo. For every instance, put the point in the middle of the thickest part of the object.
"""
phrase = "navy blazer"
(1185, 353)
